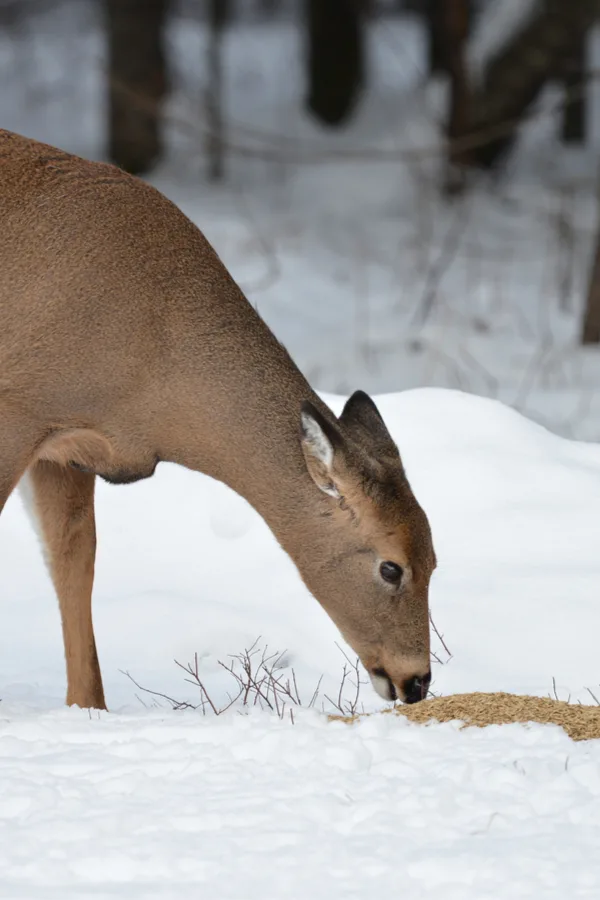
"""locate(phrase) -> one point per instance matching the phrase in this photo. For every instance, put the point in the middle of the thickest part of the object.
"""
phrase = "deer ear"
(365, 425)
(320, 440)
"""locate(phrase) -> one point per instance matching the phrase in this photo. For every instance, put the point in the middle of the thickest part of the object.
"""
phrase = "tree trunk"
(436, 15)
(591, 318)
(515, 78)
(137, 82)
(574, 122)
(454, 20)
(215, 142)
(269, 7)
(335, 58)
(433, 14)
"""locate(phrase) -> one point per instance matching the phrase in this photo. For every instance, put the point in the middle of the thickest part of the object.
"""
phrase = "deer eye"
(391, 572)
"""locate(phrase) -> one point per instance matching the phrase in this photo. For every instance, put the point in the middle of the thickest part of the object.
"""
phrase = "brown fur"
(125, 341)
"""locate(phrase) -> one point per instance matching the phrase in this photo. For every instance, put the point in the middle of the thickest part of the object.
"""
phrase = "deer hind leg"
(62, 501)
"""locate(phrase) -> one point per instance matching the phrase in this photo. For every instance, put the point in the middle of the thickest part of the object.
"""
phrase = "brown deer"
(124, 341)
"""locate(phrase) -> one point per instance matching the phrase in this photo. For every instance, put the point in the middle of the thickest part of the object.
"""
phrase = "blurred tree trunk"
(574, 122)
(516, 76)
(215, 142)
(335, 39)
(433, 21)
(437, 15)
(591, 317)
(454, 22)
(269, 7)
(137, 81)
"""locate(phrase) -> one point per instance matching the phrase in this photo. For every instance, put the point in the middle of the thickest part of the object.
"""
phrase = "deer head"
(372, 573)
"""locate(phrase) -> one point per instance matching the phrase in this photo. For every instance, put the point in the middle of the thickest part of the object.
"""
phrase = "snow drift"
(152, 802)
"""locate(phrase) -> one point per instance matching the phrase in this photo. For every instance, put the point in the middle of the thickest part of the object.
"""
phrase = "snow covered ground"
(148, 802)
(249, 808)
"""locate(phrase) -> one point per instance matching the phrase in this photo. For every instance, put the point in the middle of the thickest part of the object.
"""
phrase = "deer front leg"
(17, 447)
(62, 500)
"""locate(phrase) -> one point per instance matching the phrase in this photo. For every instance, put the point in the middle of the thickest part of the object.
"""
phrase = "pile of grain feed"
(581, 722)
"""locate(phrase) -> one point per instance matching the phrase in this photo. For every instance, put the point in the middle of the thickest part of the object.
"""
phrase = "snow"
(248, 807)
(151, 802)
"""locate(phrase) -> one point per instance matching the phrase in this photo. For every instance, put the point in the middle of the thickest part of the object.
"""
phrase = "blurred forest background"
(408, 190)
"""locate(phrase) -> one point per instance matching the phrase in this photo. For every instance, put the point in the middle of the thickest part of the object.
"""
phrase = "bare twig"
(593, 696)
(440, 637)
(348, 707)
(439, 267)
(196, 680)
(176, 704)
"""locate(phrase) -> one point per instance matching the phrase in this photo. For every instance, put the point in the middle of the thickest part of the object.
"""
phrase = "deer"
(125, 342)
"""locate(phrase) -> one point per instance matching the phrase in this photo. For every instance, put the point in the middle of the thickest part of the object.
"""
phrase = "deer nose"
(415, 689)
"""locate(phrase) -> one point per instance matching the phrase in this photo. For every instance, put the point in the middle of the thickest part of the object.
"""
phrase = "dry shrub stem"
(593, 696)
(440, 638)
(260, 682)
(348, 707)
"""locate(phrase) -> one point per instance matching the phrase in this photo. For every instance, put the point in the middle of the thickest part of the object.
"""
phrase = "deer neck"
(243, 428)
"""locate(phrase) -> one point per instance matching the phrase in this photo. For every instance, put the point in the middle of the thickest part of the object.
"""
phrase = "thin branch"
(291, 151)
(176, 704)
(439, 267)
(439, 636)
(196, 680)
(592, 694)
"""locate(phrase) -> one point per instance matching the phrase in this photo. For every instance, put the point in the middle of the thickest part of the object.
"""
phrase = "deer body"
(125, 342)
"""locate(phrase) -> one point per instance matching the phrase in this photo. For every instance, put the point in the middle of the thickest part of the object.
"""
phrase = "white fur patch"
(315, 437)
(28, 497)
(382, 686)
(319, 446)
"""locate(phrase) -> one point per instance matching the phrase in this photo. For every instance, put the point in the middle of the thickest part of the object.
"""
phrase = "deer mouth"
(413, 690)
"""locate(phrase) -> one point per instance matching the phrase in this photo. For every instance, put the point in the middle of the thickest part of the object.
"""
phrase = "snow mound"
(186, 566)
(154, 803)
